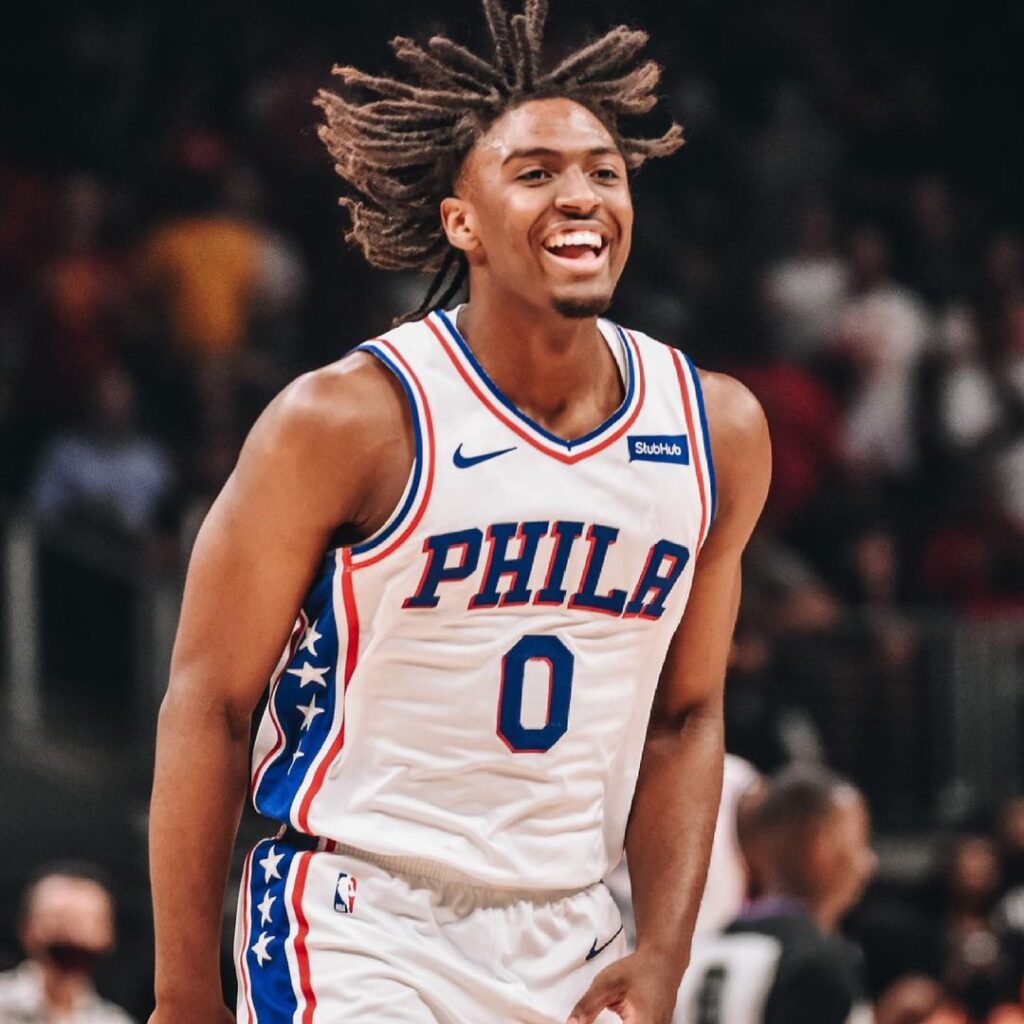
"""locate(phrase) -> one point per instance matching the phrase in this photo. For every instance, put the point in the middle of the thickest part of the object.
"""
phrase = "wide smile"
(580, 252)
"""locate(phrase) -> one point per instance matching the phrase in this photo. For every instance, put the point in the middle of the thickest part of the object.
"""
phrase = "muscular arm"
(323, 454)
(672, 822)
(677, 795)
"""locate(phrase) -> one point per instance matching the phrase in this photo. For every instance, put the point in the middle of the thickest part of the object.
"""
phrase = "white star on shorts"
(260, 948)
(269, 865)
(264, 907)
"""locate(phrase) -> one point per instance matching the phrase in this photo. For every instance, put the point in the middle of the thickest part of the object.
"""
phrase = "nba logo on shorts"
(345, 894)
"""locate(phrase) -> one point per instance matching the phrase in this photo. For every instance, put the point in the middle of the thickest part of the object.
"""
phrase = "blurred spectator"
(911, 1000)
(67, 927)
(781, 961)
(1002, 273)
(882, 332)
(804, 291)
(1009, 917)
(979, 973)
(1008, 462)
(213, 265)
(1010, 837)
(805, 424)
(969, 409)
(83, 295)
(936, 245)
(25, 205)
(105, 474)
(766, 719)
(783, 591)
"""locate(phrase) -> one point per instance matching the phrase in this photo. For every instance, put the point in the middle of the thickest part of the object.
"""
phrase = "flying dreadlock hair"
(400, 150)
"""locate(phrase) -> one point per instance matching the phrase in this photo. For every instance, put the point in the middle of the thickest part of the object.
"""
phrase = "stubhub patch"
(659, 448)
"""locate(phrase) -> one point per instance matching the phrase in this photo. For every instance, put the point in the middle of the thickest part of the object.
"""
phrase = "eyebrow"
(536, 151)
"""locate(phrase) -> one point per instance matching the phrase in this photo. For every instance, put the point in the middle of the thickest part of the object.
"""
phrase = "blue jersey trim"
(520, 415)
(389, 528)
(704, 430)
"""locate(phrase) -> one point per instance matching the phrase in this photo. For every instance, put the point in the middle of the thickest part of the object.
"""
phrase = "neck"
(825, 914)
(558, 370)
(64, 990)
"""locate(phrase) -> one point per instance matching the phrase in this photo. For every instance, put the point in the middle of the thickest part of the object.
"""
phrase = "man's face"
(548, 215)
(842, 858)
(68, 913)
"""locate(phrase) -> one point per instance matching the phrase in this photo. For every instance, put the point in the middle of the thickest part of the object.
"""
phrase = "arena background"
(842, 232)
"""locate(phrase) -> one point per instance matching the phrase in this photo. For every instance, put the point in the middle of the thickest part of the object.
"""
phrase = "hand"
(201, 1013)
(640, 988)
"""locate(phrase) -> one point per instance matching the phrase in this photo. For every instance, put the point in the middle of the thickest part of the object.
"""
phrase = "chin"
(581, 307)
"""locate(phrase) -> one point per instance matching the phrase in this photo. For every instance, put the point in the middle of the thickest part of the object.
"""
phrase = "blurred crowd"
(843, 232)
(828, 235)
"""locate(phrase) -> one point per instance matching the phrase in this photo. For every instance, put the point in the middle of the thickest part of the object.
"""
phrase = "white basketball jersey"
(471, 686)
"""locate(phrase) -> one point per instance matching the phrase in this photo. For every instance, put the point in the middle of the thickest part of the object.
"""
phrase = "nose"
(576, 194)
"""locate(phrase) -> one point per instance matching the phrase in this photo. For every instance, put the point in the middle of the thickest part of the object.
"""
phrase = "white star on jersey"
(310, 638)
(264, 907)
(309, 712)
(310, 674)
(260, 948)
(269, 865)
(295, 757)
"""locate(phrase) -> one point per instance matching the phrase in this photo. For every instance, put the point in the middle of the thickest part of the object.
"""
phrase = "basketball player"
(474, 541)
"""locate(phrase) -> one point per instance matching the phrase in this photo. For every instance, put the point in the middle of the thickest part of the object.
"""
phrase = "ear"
(458, 218)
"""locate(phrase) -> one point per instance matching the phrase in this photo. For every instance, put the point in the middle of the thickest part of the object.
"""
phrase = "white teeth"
(563, 238)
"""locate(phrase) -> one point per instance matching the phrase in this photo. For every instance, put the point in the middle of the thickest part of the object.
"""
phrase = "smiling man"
(490, 564)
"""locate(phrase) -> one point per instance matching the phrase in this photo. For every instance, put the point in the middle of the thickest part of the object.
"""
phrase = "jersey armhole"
(705, 435)
(417, 482)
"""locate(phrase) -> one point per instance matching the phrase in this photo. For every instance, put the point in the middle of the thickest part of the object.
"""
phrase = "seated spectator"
(106, 474)
(67, 926)
(781, 961)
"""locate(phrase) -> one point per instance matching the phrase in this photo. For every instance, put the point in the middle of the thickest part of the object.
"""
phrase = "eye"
(534, 175)
(607, 174)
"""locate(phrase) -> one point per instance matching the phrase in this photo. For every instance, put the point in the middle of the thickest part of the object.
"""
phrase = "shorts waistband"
(428, 870)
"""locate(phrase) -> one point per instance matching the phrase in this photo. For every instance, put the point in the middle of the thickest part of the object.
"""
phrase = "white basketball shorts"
(331, 934)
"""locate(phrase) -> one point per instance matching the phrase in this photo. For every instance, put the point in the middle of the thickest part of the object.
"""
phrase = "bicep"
(258, 550)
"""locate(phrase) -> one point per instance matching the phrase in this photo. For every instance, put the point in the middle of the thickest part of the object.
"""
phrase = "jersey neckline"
(443, 324)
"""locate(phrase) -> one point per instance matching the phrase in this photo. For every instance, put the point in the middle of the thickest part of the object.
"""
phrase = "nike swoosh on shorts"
(595, 948)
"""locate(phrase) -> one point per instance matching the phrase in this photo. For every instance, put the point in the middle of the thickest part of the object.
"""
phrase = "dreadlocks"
(400, 145)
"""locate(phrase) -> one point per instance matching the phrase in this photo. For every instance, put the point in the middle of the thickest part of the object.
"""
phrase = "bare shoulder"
(338, 439)
(349, 400)
(735, 417)
(741, 451)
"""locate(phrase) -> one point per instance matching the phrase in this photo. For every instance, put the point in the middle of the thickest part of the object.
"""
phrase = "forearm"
(671, 829)
(198, 793)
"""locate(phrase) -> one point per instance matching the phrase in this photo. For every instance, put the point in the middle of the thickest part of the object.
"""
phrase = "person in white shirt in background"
(67, 927)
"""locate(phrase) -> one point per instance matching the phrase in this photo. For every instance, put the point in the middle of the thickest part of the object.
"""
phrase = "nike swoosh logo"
(465, 461)
(595, 948)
